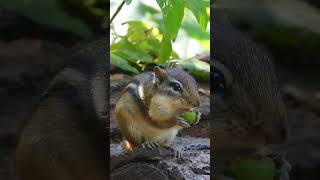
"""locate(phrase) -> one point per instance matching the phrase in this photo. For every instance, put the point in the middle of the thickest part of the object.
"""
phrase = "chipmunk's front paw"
(189, 118)
(150, 145)
(198, 117)
(182, 122)
(126, 146)
(176, 153)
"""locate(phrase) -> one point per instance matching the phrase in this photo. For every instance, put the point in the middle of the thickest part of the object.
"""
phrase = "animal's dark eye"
(218, 82)
(175, 86)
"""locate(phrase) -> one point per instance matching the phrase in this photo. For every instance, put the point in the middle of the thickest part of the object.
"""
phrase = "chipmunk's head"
(176, 91)
(247, 105)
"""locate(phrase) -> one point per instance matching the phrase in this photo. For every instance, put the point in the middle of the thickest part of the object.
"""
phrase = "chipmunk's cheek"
(185, 106)
(161, 110)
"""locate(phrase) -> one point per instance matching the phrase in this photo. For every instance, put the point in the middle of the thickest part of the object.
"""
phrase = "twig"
(117, 11)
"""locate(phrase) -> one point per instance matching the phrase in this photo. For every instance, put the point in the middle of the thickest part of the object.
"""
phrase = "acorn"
(189, 116)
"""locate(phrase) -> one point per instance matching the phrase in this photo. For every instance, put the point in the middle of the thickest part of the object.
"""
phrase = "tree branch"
(117, 11)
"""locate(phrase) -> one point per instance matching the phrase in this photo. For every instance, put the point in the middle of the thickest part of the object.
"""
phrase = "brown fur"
(253, 103)
(153, 118)
(251, 113)
(64, 138)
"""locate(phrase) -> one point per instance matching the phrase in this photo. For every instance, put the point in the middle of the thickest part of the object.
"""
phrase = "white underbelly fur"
(152, 134)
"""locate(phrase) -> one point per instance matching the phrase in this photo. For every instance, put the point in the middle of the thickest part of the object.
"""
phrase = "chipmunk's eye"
(175, 86)
(218, 82)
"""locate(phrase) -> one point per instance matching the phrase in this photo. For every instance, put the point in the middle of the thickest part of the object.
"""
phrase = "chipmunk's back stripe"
(141, 92)
(153, 78)
(91, 59)
(132, 89)
(63, 89)
(66, 85)
(150, 77)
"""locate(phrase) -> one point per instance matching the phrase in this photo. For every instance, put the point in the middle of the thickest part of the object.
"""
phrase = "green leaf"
(244, 169)
(143, 9)
(199, 69)
(141, 45)
(172, 12)
(199, 9)
(193, 30)
(48, 13)
(131, 51)
(122, 63)
(128, 1)
(165, 49)
(144, 37)
(137, 31)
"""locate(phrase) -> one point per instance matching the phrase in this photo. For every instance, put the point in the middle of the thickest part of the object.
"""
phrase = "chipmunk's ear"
(159, 73)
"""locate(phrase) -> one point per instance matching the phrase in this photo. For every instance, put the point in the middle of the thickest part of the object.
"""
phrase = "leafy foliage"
(140, 47)
(145, 45)
(49, 13)
(197, 68)
(173, 12)
(122, 63)
(198, 8)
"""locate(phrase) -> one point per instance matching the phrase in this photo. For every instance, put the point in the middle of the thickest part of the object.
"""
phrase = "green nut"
(190, 117)
(244, 169)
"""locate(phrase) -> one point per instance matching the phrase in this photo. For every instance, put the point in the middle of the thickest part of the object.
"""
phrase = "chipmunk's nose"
(196, 104)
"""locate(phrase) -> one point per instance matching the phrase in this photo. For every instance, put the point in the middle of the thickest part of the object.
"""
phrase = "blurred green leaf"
(92, 8)
(146, 39)
(48, 13)
(199, 9)
(137, 31)
(194, 31)
(140, 44)
(199, 69)
(131, 52)
(144, 9)
(165, 49)
(122, 63)
(172, 12)
(290, 13)
(252, 169)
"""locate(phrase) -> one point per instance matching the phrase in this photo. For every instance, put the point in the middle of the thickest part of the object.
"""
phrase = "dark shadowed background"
(35, 38)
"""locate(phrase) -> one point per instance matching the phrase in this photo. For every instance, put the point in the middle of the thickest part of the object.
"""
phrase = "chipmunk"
(148, 109)
(65, 135)
(247, 108)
